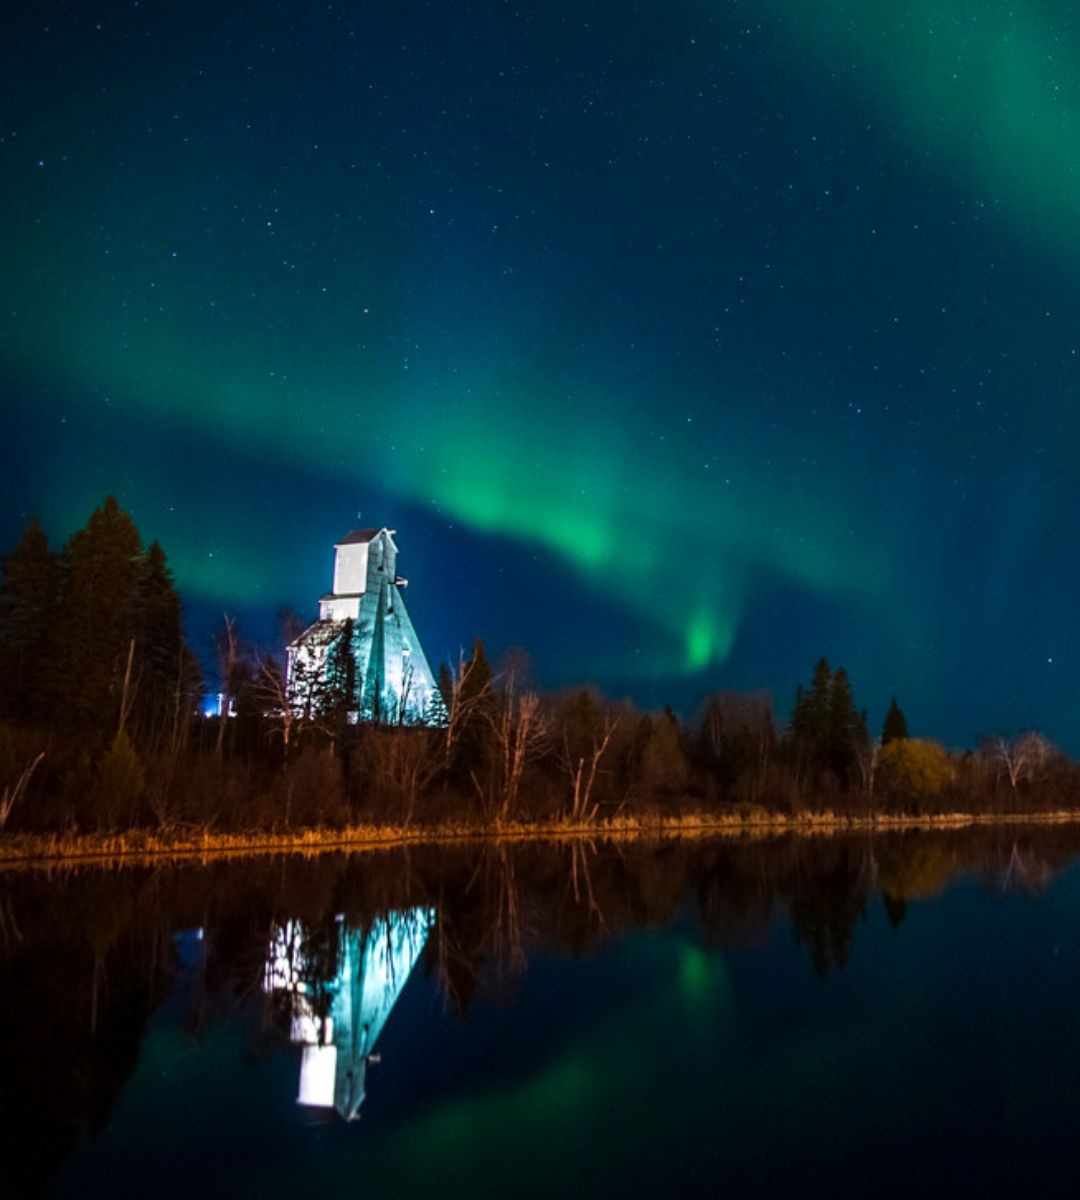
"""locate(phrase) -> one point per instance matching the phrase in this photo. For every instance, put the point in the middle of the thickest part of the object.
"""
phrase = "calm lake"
(893, 1016)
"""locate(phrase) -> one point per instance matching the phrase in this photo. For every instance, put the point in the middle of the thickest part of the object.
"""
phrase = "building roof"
(360, 537)
(321, 633)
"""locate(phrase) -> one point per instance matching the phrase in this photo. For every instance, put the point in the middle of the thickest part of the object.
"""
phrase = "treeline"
(101, 728)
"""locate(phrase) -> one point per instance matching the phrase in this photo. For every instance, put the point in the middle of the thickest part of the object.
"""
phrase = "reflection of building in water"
(338, 1021)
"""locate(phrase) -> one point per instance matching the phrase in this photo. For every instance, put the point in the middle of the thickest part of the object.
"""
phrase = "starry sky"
(681, 343)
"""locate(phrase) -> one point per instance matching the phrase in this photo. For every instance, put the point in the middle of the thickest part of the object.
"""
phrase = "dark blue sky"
(681, 343)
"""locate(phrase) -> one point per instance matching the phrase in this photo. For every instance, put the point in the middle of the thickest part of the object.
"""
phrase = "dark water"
(895, 1017)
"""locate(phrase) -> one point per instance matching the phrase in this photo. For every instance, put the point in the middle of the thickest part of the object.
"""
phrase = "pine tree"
(28, 601)
(478, 675)
(97, 618)
(662, 763)
(474, 740)
(810, 718)
(339, 697)
(438, 706)
(844, 728)
(446, 684)
(819, 704)
(827, 731)
(160, 648)
(895, 728)
(120, 783)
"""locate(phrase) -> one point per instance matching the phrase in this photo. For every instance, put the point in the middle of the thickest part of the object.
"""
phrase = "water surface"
(887, 1016)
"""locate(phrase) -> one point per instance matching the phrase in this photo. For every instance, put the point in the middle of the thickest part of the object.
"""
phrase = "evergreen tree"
(810, 718)
(797, 724)
(160, 649)
(827, 731)
(446, 684)
(120, 783)
(438, 706)
(844, 729)
(339, 694)
(28, 601)
(662, 764)
(96, 620)
(895, 728)
(476, 681)
(474, 740)
(819, 704)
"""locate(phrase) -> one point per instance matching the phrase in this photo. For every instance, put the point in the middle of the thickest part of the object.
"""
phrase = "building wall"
(350, 568)
(382, 560)
(339, 608)
(394, 677)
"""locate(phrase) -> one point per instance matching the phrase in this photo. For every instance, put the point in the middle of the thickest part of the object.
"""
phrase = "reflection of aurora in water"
(630, 1019)
(338, 1021)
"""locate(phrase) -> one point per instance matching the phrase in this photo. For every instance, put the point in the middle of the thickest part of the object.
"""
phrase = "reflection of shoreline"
(20, 852)
(337, 1021)
(90, 960)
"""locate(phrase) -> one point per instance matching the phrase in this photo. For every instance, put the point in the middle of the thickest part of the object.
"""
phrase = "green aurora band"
(990, 90)
(365, 362)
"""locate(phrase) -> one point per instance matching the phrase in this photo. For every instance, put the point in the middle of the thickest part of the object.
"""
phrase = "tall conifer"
(97, 618)
(844, 726)
(895, 728)
(160, 659)
(28, 601)
(340, 695)
(474, 742)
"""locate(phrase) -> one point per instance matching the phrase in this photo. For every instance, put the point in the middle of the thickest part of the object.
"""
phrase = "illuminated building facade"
(393, 681)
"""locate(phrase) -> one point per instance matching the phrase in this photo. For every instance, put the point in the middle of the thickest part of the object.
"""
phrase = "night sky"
(681, 343)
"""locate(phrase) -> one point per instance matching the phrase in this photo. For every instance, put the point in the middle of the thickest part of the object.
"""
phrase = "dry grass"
(144, 846)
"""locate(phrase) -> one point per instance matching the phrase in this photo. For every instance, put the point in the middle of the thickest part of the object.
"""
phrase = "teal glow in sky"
(681, 343)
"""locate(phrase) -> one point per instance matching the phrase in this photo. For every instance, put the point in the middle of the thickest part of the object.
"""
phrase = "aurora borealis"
(681, 343)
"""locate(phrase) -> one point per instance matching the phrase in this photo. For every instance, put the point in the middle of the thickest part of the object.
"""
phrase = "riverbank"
(139, 846)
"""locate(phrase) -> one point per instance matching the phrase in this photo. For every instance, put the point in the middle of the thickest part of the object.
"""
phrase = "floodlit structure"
(392, 679)
(337, 1022)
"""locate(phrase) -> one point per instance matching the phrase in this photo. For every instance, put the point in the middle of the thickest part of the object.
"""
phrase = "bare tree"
(127, 691)
(407, 689)
(581, 768)
(520, 729)
(1020, 757)
(187, 690)
(227, 658)
(463, 704)
(185, 697)
(400, 763)
(867, 755)
(13, 791)
(271, 692)
(739, 727)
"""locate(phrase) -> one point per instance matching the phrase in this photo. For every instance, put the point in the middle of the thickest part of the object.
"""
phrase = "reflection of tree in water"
(483, 926)
(1025, 872)
(917, 869)
(507, 901)
(77, 987)
(86, 957)
(895, 909)
(736, 900)
(826, 906)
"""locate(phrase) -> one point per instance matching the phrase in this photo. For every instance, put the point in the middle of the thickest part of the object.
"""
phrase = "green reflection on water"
(593, 1099)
